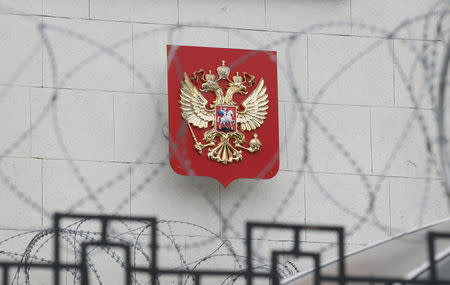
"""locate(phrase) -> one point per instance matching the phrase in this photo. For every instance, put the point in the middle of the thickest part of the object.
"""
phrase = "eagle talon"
(198, 147)
(254, 144)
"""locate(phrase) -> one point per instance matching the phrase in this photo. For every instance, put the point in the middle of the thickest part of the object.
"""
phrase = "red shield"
(223, 112)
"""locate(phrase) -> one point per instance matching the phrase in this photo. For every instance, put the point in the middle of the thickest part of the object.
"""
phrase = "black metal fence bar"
(385, 280)
(197, 275)
(431, 239)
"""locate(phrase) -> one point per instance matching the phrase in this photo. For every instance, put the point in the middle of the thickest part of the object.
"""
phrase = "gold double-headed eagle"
(222, 123)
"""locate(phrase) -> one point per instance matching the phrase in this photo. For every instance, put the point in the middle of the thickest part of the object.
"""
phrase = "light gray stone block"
(306, 15)
(388, 15)
(334, 76)
(414, 74)
(89, 54)
(343, 148)
(153, 11)
(416, 202)
(278, 199)
(20, 50)
(234, 14)
(343, 200)
(21, 203)
(158, 191)
(138, 132)
(283, 135)
(21, 7)
(15, 121)
(66, 8)
(388, 126)
(66, 189)
(83, 127)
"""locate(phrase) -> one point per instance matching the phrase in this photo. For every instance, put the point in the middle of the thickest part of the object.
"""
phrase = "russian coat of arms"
(223, 112)
(222, 118)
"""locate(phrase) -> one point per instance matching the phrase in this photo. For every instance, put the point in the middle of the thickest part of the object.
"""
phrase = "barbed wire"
(224, 243)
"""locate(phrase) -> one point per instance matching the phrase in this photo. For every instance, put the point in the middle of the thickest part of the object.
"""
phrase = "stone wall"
(106, 62)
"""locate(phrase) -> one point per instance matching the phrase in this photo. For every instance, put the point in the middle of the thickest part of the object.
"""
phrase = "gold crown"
(237, 78)
(210, 76)
(223, 71)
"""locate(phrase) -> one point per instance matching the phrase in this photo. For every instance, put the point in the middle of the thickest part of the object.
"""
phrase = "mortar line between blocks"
(67, 260)
(393, 72)
(265, 15)
(286, 135)
(308, 95)
(304, 202)
(390, 209)
(351, 18)
(220, 209)
(226, 27)
(129, 193)
(114, 127)
(42, 57)
(178, 12)
(31, 123)
(42, 192)
(371, 140)
(132, 57)
(359, 174)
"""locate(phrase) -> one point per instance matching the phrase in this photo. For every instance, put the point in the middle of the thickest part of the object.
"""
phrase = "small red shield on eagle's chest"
(223, 112)
(226, 119)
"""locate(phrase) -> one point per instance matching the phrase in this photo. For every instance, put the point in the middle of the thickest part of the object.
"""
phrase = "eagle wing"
(255, 108)
(193, 105)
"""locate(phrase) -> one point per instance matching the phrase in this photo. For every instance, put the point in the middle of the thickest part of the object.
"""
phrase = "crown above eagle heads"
(223, 73)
